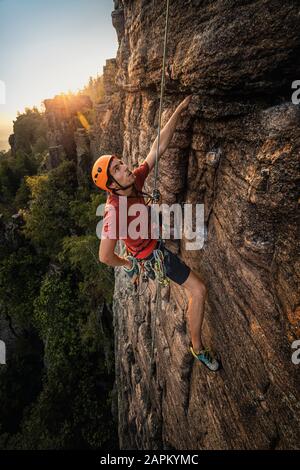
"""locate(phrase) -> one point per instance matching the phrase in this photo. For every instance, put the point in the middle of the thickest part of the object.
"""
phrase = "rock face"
(237, 151)
(109, 115)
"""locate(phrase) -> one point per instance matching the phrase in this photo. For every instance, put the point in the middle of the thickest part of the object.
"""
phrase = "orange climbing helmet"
(100, 173)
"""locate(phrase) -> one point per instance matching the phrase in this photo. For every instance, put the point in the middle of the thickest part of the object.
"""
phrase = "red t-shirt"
(115, 229)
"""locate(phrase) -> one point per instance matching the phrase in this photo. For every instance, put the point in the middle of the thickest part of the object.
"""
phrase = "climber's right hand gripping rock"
(134, 271)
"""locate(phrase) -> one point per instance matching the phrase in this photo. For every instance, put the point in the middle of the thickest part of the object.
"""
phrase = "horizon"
(50, 55)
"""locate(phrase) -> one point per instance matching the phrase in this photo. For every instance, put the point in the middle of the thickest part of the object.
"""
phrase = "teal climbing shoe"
(206, 357)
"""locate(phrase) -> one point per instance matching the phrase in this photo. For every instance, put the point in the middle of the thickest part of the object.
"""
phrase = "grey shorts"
(176, 269)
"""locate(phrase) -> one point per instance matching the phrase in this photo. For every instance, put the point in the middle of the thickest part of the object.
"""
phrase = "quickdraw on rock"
(134, 271)
(159, 267)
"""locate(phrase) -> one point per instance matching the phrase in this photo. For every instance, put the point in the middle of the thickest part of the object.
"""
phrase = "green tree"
(94, 89)
(49, 218)
(29, 128)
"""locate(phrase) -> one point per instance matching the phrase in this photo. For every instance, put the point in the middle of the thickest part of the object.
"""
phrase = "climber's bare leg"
(197, 292)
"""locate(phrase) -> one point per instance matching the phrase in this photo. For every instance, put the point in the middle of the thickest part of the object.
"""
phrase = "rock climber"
(112, 174)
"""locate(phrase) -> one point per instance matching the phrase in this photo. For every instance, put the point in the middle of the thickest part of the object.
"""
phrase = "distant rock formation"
(62, 113)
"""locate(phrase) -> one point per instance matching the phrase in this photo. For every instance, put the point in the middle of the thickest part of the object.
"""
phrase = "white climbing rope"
(158, 255)
(155, 193)
(158, 268)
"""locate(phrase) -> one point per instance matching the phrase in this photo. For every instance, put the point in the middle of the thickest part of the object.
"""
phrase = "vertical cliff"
(237, 151)
(239, 60)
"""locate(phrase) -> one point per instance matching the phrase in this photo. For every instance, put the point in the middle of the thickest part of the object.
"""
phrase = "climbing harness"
(144, 269)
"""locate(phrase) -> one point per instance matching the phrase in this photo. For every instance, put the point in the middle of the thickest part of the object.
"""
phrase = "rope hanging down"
(156, 197)
(155, 193)
(158, 256)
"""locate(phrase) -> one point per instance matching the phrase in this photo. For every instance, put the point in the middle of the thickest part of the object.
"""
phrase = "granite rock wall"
(236, 150)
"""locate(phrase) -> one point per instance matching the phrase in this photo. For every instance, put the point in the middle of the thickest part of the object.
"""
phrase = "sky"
(49, 47)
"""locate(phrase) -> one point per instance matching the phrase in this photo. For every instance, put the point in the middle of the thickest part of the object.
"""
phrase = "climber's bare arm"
(108, 256)
(166, 133)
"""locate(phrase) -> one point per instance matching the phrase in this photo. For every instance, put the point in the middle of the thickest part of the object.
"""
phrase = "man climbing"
(111, 174)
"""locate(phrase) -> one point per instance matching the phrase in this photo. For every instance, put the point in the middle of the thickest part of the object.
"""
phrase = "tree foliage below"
(56, 390)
